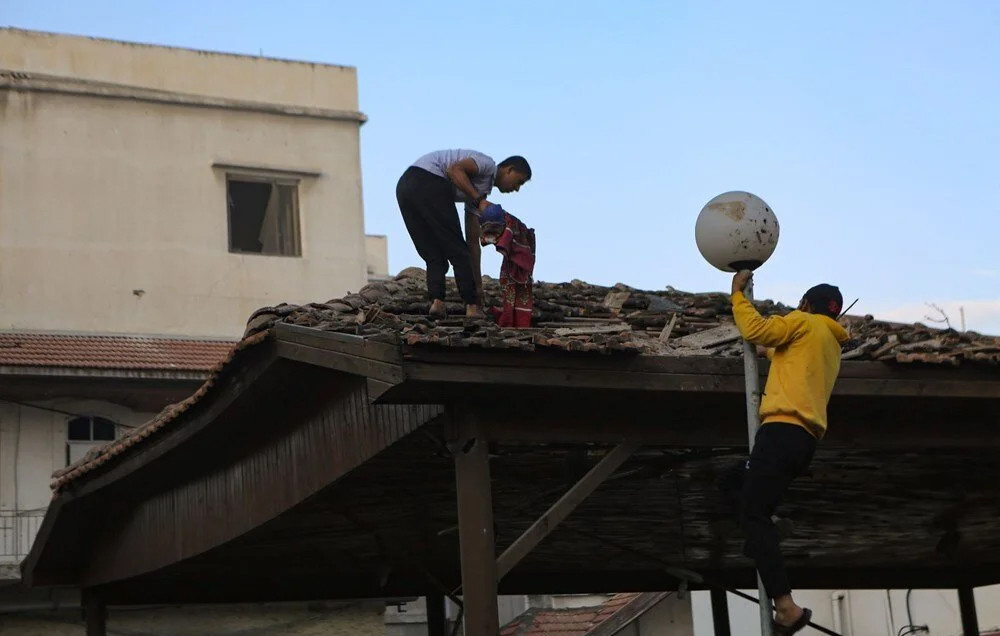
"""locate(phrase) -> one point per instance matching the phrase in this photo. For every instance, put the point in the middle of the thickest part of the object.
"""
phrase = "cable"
(909, 614)
(41, 408)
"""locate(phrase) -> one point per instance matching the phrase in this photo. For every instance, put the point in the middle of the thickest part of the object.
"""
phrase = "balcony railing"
(17, 532)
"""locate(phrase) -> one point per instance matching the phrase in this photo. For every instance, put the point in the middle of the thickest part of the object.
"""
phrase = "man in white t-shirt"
(427, 193)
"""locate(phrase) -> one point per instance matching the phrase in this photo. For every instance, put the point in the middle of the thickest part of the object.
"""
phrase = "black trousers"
(781, 452)
(427, 203)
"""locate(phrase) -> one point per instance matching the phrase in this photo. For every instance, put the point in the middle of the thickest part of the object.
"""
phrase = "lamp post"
(736, 231)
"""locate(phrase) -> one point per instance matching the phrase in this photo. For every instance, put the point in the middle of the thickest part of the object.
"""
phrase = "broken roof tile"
(579, 317)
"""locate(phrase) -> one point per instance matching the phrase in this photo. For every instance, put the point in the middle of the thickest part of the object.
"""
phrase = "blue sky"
(871, 129)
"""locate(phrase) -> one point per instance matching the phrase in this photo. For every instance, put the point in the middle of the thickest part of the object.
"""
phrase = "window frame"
(88, 443)
(275, 180)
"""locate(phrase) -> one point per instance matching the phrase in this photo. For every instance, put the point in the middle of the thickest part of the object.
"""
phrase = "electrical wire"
(54, 410)
(909, 614)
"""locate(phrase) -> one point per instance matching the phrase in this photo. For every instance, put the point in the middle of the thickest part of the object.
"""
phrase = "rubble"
(577, 316)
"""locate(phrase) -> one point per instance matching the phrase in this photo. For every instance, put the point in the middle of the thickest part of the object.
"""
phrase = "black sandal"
(788, 630)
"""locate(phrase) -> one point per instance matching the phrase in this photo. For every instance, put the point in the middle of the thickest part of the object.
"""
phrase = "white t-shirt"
(439, 161)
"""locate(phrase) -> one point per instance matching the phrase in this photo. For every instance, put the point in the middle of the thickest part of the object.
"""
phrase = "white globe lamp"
(736, 230)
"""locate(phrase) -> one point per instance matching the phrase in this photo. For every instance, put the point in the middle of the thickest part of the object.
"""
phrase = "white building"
(151, 198)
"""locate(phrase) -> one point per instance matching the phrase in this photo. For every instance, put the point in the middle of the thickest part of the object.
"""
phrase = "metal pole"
(752, 374)
(967, 608)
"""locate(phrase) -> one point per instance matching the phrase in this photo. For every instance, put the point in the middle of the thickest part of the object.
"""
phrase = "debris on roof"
(574, 317)
(577, 316)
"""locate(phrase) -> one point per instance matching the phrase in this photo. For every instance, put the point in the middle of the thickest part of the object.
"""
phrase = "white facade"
(861, 612)
(160, 191)
(132, 176)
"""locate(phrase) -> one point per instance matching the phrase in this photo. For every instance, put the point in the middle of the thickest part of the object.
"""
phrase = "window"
(87, 432)
(263, 215)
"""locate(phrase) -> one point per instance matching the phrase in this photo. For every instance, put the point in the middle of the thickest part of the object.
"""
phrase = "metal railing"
(17, 532)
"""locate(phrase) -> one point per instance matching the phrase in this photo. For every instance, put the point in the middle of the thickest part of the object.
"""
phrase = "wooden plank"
(579, 379)
(335, 341)
(616, 300)
(709, 337)
(376, 388)
(564, 506)
(674, 364)
(475, 528)
(664, 336)
(348, 363)
(669, 382)
(596, 329)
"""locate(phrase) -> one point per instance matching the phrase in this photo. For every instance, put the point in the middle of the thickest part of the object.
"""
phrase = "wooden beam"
(689, 429)
(348, 363)
(437, 624)
(340, 342)
(967, 609)
(720, 612)
(701, 365)
(564, 506)
(475, 527)
(96, 614)
(643, 381)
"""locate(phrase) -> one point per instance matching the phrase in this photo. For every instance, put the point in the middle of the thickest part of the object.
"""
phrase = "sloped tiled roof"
(124, 352)
(577, 621)
(101, 455)
(572, 317)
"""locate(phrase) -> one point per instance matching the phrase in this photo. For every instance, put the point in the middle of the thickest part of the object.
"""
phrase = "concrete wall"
(187, 71)
(377, 249)
(113, 217)
(670, 617)
(864, 612)
(410, 618)
(32, 446)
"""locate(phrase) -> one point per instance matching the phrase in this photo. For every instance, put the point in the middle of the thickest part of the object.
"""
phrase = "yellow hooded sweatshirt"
(804, 363)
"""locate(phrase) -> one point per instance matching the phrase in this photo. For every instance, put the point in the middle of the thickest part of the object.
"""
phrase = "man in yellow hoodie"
(804, 348)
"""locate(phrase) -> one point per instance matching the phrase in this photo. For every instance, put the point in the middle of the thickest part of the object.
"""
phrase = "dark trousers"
(427, 203)
(781, 452)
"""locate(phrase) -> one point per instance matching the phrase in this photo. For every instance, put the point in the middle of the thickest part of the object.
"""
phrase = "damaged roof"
(569, 317)
(577, 316)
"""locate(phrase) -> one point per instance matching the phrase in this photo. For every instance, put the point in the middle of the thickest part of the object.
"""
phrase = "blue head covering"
(492, 214)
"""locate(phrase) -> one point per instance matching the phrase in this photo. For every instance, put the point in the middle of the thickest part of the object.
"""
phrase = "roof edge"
(15, 80)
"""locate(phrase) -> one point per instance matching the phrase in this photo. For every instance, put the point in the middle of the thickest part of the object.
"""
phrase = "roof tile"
(124, 352)
(577, 621)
